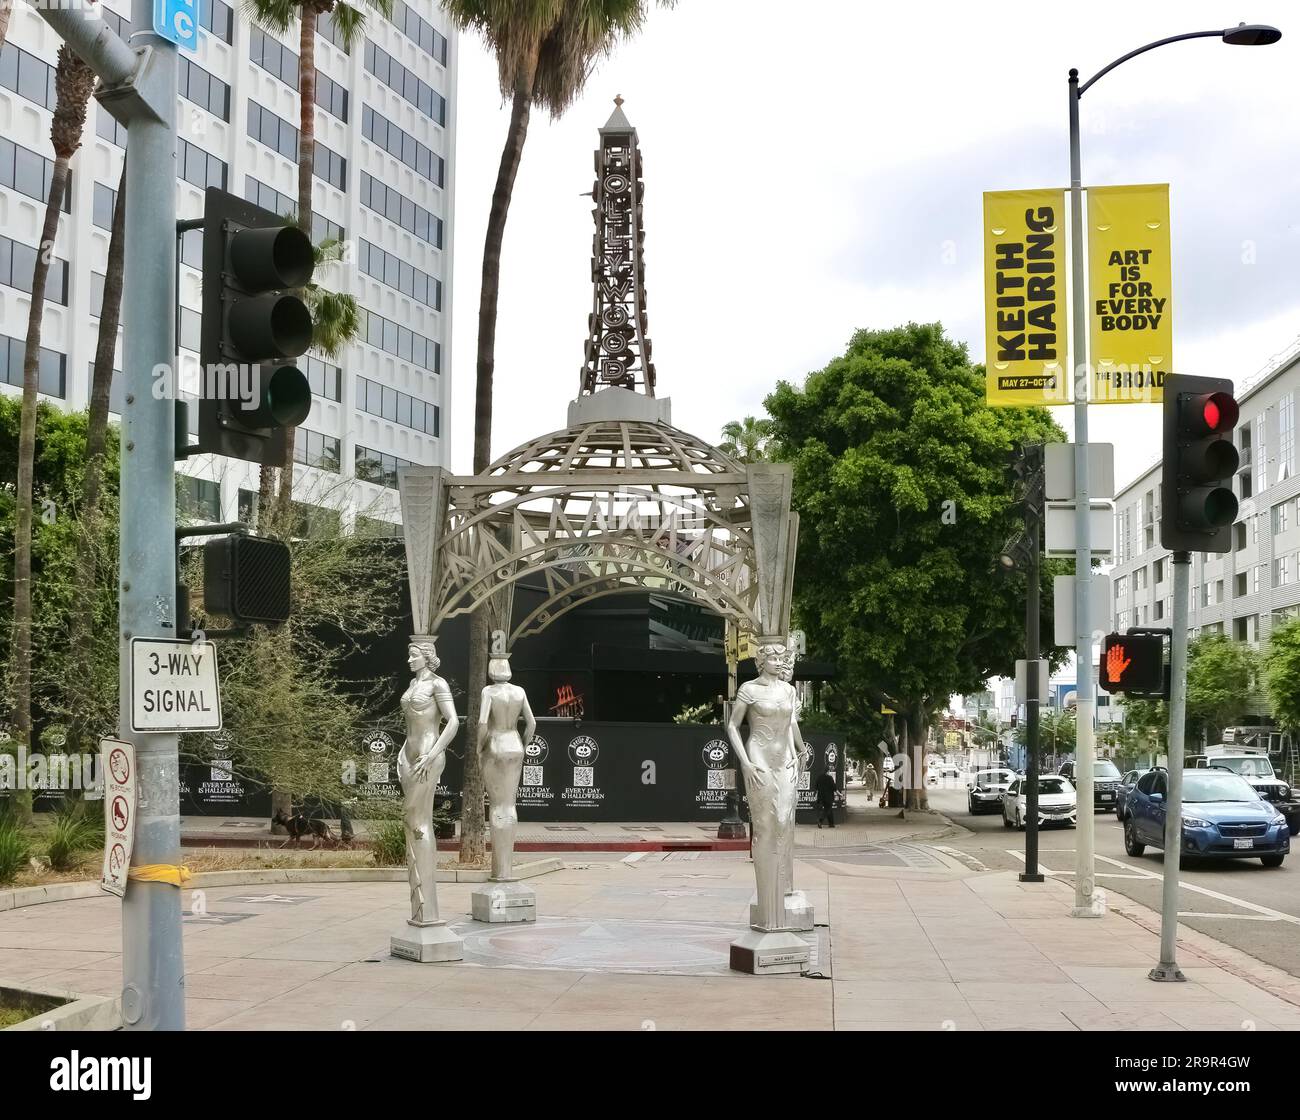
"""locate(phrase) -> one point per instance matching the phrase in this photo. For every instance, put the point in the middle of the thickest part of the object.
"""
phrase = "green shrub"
(78, 828)
(15, 849)
(388, 842)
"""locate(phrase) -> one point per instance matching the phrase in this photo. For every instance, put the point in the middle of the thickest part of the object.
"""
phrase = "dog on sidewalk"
(298, 826)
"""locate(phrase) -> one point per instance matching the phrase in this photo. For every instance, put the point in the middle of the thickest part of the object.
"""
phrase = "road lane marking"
(1277, 915)
(1234, 917)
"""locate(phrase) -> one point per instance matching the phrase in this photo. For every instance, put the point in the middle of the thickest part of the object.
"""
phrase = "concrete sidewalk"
(642, 944)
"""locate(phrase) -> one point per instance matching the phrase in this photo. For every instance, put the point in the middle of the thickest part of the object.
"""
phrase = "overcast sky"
(816, 168)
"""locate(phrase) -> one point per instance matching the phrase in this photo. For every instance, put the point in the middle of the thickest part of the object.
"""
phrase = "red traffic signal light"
(1133, 663)
(1198, 505)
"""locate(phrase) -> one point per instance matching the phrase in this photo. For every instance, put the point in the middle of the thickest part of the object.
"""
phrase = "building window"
(389, 268)
(198, 498)
(1239, 535)
(420, 31)
(280, 136)
(1260, 453)
(1281, 571)
(218, 17)
(27, 76)
(1159, 612)
(328, 30)
(324, 379)
(1239, 584)
(51, 375)
(259, 194)
(107, 127)
(1286, 437)
(203, 89)
(377, 466)
(18, 268)
(316, 450)
(405, 84)
(401, 342)
(191, 328)
(1159, 571)
(199, 168)
(400, 210)
(400, 408)
(281, 62)
(420, 158)
(314, 521)
(1281, 517)
(29, 173)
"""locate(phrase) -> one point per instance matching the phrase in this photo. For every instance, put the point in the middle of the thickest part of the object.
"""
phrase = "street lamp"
(1244, 34)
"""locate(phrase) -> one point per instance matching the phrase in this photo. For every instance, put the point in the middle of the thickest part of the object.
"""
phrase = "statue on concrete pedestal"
(431, 725)
(501, 760)
(769, 761)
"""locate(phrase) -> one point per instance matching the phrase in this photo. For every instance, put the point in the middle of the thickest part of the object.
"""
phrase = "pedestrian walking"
(826, 788)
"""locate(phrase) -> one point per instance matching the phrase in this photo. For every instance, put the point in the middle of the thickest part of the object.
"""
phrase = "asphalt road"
(1239, 902)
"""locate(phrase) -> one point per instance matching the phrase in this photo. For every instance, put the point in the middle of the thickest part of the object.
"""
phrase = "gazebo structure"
(617, 500)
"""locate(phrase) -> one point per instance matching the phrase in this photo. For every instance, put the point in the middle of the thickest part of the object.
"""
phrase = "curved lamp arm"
(1221, 33)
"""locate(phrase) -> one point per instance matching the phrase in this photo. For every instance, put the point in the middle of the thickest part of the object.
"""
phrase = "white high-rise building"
(385, 128)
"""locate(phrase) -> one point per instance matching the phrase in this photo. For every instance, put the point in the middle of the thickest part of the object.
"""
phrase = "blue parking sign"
(177, 21)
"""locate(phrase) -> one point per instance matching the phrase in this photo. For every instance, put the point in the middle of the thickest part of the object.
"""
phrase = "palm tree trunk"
(101, 385)
(473, 844)
(306, 172)
(6, 9)
(22, 648)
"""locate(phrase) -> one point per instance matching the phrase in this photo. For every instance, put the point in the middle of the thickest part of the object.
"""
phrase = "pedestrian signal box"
(1133, 664)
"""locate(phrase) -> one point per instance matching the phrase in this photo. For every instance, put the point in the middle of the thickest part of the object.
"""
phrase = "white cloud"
(805, 166)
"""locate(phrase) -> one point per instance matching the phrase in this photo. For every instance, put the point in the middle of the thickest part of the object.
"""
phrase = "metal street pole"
(1084, 865)
(138, 86)
(1033, 531)
(1168, 968)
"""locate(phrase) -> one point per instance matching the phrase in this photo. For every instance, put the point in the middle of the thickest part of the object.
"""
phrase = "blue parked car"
(1126, 785)
(1223, 818)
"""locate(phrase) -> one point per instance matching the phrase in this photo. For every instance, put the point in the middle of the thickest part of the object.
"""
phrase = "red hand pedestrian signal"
(1133, 663)
(1116, 663)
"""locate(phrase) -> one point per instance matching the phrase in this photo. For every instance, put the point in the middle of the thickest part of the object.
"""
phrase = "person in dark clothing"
(826, 788)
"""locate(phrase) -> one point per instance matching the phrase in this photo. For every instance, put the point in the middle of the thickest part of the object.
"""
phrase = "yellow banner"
(1024, 298)
(1130, 289)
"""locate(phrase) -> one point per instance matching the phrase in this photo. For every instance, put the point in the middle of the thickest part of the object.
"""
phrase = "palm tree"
(349, 21)
(6, 10)
(545, 51)
(74, 82)
(101, 385)
(746, 440)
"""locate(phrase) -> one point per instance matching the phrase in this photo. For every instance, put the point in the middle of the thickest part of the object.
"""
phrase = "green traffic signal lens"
(286, 396)
(1207, 508)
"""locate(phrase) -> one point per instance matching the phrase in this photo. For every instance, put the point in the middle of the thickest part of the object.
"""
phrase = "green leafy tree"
(746, 440)
(1220, 675)
(904, 501)
(1282, 674)
(545, 51)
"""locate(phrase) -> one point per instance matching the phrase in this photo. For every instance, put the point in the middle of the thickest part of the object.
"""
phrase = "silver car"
(985, 789)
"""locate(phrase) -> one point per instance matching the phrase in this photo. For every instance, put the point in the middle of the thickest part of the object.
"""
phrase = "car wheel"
(970, 806)
(1131, 844)
(1272, 861)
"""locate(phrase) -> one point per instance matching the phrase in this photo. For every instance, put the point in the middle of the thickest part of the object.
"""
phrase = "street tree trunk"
(306, 171)
(473, 845)
(914, 726)
(83, 619)
(73, 81)
(6, 10)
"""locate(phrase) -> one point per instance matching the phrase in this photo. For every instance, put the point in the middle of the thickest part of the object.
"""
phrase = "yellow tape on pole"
(1130, 293)
(161, 873)
(1024, 298)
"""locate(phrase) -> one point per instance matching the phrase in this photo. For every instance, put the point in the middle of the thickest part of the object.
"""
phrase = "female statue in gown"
(501, 759)
(769, 762)
(431, 724)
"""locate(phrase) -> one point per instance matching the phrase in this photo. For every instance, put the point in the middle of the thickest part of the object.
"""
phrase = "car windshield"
(1247, 767)
(1211, 785)
(1053, 785)
(1104, 768)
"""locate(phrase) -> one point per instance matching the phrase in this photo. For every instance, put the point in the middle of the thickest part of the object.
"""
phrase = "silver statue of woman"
(769, 762)
(431, 724)
(501, 759)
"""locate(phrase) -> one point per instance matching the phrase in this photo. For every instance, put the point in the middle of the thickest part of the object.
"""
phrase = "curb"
(704, 844)
(67, 892)
(76, 1013)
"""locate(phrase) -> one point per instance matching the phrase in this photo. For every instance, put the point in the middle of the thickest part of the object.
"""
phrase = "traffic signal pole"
(1168, 968)
(138, 87)
(1085, 905)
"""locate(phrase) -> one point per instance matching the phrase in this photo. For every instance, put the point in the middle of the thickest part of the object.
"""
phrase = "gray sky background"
(815, 168)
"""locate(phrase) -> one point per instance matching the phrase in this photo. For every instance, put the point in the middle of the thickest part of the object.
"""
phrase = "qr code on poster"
(584, 776)
(722, 779)
(805, 780)
(532, 775)
(223, 770)
(377, 772)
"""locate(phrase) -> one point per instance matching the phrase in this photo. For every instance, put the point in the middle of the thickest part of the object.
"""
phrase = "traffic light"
(246, 579)
(1133, 663)
(253, 324)
(1197, 503)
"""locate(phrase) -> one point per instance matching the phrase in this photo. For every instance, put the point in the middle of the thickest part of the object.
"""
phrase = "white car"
(986, 788)
(1057, 802)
